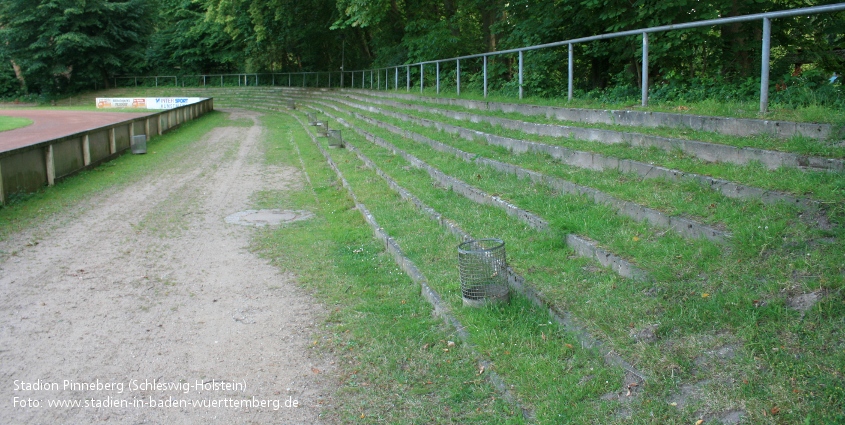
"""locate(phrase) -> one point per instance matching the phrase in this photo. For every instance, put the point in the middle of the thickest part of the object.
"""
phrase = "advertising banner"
(145, 102)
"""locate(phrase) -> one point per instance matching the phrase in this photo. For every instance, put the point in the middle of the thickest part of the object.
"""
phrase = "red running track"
(48, 125)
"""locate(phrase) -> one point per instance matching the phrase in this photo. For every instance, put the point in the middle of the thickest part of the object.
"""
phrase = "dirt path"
(147, 296)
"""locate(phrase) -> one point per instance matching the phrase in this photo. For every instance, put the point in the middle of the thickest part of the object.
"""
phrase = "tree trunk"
(488, 18)
(19, 75)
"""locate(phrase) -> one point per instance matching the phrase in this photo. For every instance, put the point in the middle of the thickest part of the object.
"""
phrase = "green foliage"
(64, 45)
(185, 42)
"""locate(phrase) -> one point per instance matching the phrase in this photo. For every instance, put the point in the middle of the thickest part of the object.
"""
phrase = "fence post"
(520, 74)
(571, 67)
(458, 80)
(764, 68)
(408, 78)
(485, 76)
(422, 77)
(645, 70)
(371, 79)
(438, 76)
(378, 80)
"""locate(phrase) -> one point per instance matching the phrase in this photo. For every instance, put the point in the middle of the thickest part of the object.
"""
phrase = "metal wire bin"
(483, 268)
(312, 120)
(291, 104)
(335, 139)
(323, 128)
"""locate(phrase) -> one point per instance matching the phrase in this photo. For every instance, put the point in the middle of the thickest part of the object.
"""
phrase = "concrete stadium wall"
(32, 167)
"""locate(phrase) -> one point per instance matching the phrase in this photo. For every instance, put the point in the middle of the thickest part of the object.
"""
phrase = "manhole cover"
(267, 217)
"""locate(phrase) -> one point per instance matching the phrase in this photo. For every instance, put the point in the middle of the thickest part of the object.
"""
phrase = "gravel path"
(143, 297)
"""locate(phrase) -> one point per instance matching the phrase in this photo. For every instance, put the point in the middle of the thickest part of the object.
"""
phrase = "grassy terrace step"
(536, 357)
(584, 247)
(440, 308)
(685, 227)
(687, 198)
(711, 152)
(598, 162)
(826, 187)
(754, 235)
(717, 333)
(724, 125)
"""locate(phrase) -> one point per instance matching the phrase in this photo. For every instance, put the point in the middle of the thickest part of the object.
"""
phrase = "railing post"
(379, 81)
(396, 80)
(571, 66)
(458, 81)
(408, 78)
(422, 77)
(289, 77)
(437, 76)
(363, 78)
(485, 76)
(645, 70)
(764, 68)
(520, 74)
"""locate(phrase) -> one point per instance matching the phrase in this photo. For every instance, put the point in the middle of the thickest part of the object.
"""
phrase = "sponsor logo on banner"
(145, 102)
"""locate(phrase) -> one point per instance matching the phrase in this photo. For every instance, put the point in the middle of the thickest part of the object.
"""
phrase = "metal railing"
(375, 74)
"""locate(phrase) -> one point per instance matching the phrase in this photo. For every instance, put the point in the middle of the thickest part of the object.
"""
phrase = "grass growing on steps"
(537, 358)
(797, 144)
(391, 351)
(697, 310)
(824, 186)
(811, 113)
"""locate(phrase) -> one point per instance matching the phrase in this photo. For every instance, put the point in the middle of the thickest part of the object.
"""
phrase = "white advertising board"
(145, 102)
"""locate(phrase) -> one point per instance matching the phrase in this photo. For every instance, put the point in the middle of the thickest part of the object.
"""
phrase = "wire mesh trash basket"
(312, 120)
(483, 269)
(335, 139)
(291, 104)
(323, 128)
(138, 144)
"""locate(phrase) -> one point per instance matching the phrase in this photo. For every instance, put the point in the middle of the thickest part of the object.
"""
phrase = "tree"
(186, 42)
(69, 44)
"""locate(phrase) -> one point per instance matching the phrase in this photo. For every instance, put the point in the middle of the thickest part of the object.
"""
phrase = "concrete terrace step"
(598, 162)
(722, 125)
(685, 227)
(710, 152)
